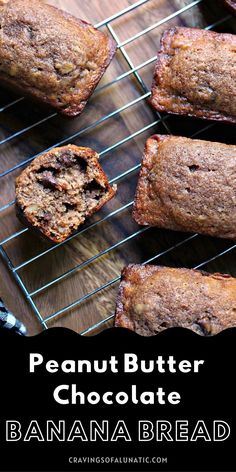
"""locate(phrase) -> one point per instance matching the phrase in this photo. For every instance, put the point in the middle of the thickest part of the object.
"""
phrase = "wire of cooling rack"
(133, 71)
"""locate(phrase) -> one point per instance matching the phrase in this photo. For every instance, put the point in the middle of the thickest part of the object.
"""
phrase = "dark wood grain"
(120, 126)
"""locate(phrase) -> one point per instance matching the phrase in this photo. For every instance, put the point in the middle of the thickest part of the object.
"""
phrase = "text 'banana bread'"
(153, 298)
(188, 185)
(195, 74)
(51, 56)
(60, 189)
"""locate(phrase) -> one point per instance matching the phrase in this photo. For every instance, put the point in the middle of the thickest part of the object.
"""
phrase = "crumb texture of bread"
(60, 189)
(187, 185)
(195, 74)
(51, 56)
(153, 298)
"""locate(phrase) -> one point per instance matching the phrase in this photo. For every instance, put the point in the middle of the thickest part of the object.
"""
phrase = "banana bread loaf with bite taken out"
(153, 298)
(60, 189)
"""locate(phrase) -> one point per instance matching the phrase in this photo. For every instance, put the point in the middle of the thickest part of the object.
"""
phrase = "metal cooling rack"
(133, 71)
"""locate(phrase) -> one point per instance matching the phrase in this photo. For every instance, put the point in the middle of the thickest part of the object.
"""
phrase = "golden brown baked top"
(153, 298)
(195, 74)
(188, 185)
(51, 55)
(60, 189)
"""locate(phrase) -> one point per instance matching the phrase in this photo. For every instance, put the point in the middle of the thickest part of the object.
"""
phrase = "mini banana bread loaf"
(195, 74)
(50, 55)
(60, 189)
(231, 4)
(188, 185)
(153, 298)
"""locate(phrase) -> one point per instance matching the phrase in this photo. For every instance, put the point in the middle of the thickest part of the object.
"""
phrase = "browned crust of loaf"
(122, 319)
(89, 155)
(231, 4)
(134, 277)
(139, 210)
(26, 222)
(172, 103)
(151, 209)
(71, 107)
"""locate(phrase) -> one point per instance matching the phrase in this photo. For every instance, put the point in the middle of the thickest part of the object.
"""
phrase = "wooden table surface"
(119, 160)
